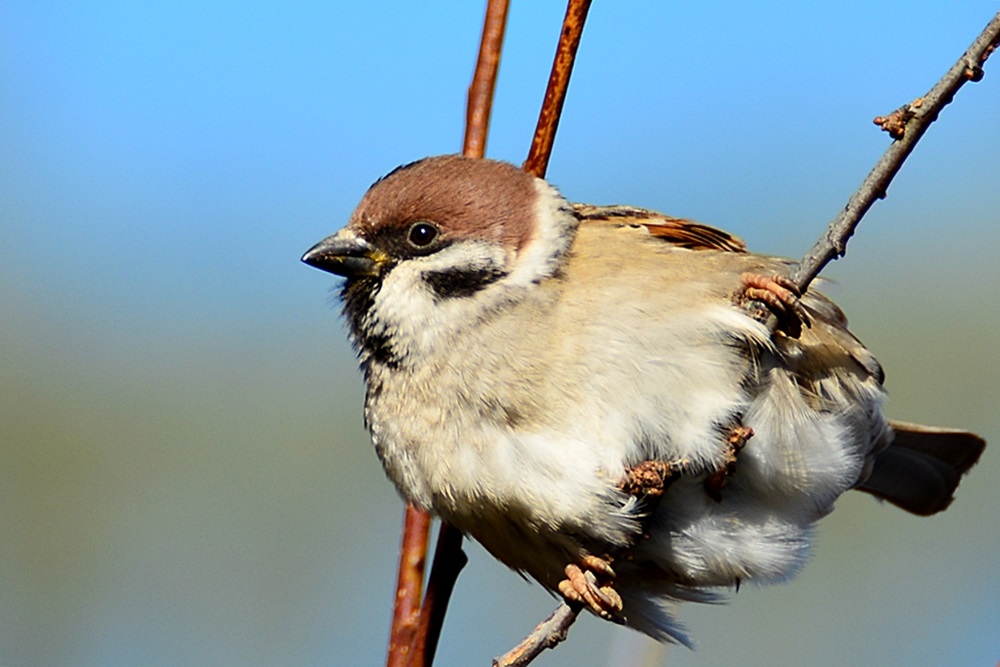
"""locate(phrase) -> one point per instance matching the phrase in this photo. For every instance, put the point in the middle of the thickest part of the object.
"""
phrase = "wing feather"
(678, 231)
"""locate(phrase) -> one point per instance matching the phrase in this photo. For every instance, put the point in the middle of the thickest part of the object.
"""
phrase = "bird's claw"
(651, 479)
(589, 584)
(780, 295)
(737, 440)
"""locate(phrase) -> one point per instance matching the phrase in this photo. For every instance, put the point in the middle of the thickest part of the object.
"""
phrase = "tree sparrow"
(581, 390)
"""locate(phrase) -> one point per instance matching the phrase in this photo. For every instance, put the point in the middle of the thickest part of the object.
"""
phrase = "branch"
(906, 125)
(552, 630)
(409, 585)
(416, 628)
(480, 100)
(546, 634)
(555, 93)
(449, 559)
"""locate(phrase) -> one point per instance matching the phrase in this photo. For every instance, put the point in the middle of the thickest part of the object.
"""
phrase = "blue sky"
(182, 467)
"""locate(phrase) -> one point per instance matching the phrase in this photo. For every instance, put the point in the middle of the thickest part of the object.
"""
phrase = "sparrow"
(585, 392)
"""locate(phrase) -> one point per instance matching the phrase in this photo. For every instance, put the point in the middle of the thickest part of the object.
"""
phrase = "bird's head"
(439, 240)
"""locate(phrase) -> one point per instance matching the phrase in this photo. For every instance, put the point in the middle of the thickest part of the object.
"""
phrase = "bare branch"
(547, 634)
(555, 94)
(480, 101)
(449, 559)
(553, 630)
(416, 628)
(906, 125)
(409, 585)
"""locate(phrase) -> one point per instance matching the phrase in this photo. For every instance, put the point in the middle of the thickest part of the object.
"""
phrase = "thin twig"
(555, 93)
(449, 559)
(409, 585)
(552, 630)
(417, 628)
(480, 100)
(546, 634)
(906, 125)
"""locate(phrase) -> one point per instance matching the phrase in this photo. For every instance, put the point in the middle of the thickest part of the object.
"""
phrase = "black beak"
(345, 254)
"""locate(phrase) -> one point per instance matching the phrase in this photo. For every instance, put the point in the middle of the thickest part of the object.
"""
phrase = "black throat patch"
(358, 296)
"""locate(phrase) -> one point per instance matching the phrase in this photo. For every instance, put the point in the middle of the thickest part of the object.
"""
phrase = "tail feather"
(921, 469)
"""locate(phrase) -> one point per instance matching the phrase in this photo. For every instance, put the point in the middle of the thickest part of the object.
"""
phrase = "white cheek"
(418, 320)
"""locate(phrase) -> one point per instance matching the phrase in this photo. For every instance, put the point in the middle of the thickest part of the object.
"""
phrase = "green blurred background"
(184, 476)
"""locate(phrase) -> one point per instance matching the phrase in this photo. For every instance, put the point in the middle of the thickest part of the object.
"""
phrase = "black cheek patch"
(455, 283)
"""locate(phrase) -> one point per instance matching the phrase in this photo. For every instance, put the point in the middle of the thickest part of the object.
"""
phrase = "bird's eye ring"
(422, 234)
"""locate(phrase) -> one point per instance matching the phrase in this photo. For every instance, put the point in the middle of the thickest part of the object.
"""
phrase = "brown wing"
(678, 231)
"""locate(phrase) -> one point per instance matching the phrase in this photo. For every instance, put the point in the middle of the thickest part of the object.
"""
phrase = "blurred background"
(184, 475)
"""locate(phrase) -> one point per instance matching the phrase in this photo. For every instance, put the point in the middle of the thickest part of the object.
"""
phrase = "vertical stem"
(416, 628)
(409, 585)
(449, 559)
(480, 100)
(555, 94)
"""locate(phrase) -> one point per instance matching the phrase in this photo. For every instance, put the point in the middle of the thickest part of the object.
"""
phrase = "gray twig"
(906, 125)
(546, 634)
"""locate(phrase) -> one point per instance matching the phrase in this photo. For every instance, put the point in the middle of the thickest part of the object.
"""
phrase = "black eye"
(422, 234)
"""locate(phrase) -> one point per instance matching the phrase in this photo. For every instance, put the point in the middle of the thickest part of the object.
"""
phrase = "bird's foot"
(588, 583)
(780, 295)
(650, 479)
(738, 437)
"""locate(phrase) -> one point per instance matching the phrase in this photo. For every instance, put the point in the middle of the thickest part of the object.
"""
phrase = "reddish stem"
(416, 628)
(480, 100)
(409, 585)
(449, 559)
(555, 94)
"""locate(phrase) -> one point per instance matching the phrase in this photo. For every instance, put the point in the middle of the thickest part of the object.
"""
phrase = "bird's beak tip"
(343, 254)
(311, 256)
